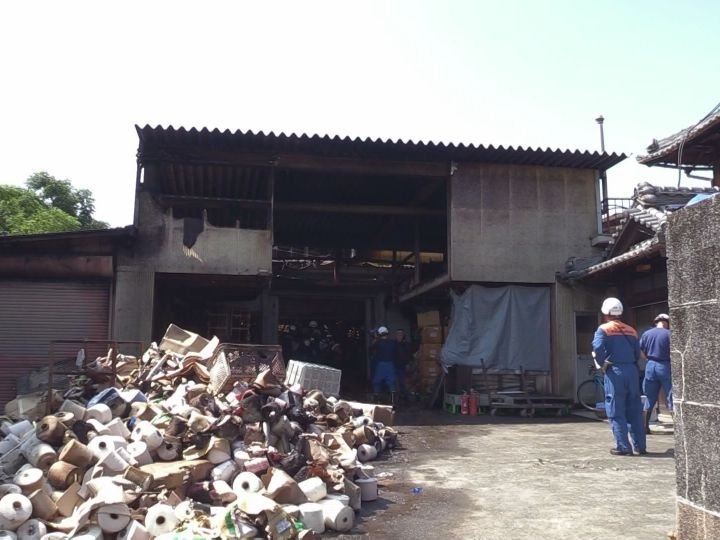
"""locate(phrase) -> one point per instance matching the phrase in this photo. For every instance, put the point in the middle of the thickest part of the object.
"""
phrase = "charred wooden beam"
(372, 210)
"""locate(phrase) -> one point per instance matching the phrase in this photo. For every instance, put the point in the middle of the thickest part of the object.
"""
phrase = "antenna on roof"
(604, 204)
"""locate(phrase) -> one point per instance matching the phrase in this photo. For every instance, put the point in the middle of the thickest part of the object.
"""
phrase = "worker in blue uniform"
(617, 350)
(655, 345)
(384, 353)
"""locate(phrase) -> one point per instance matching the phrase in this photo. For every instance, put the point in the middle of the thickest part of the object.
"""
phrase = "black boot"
(646, 421)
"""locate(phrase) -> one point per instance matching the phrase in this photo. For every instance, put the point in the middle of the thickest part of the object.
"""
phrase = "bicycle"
(592, 392)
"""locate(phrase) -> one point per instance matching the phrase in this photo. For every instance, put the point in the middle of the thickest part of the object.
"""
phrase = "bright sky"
(77, 76)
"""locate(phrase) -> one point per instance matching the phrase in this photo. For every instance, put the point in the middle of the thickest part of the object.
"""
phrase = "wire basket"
(234, 362)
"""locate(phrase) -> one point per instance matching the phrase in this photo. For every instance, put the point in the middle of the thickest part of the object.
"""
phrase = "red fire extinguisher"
(464, 404)
(473, 404)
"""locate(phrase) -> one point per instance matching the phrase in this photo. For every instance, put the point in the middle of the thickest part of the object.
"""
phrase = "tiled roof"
(638, 252)
(652, 206)
(661, 150)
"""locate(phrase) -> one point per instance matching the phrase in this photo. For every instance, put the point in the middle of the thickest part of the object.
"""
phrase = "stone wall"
(693, 244)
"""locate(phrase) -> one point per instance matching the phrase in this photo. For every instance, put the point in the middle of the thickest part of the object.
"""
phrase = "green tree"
(22, 212)
(48, 205)
(60, 194)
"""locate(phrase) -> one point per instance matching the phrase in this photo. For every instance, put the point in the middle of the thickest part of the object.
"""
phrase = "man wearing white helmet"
(384, 355)
(655, 344)
(617, 350)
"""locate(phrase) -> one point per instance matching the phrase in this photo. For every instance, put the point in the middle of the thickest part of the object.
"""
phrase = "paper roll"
(21, 428)
(160, 519)
(39, 454)
(8, 443)
(62, 475)
(29, 479)
(311, 514)
(9, 488)
(14, 511)
(149, 434)
(184, 510)
(314, 489)
(98, 427)
(66, 417)
(7, 535)
(113, 518)
(125, 455)
(169, 451)
(73, 407)
(50, 430)
(33, 529)
(99, 412)
(112, 463)
(104, 444)
(366, 452)
(257, 465)
(224, 471)
(344, 499)
(118, 428)
(76, 453)
(43, 507)
(368, 488)
(291, 510)
(246, 482)
(138, 450)
(337, 516)
(134, 531)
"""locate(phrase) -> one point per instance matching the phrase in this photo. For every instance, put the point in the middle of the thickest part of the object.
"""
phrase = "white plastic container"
(313, 377)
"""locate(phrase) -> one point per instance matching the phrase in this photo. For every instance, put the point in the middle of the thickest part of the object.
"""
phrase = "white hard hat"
(662, 317)
(612, 306)
(382, 331)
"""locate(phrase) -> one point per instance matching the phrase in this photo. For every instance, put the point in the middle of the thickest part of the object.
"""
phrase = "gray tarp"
(507, 326)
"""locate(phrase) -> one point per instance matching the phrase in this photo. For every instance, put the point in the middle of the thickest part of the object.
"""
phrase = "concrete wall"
(159, 248)
(514, 223)
(693, 248)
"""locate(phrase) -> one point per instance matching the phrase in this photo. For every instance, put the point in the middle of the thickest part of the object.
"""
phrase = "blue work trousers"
(657, 375)
(384, 373)
(624, 406)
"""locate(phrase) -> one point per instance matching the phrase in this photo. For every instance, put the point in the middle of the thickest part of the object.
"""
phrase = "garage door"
(34, 313)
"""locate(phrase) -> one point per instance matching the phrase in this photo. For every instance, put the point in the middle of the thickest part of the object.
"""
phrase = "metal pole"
(603, 176)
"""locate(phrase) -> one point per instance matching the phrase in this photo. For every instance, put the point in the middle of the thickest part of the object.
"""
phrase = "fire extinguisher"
(473, 404)
(464, 404)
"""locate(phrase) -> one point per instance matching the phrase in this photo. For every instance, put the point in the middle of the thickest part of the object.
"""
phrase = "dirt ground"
(512, 478)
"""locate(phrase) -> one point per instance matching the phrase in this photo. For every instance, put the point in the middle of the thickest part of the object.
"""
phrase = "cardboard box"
(430, 352)
(384, 414)
(429, 370)
(428, 318)
(432, 334)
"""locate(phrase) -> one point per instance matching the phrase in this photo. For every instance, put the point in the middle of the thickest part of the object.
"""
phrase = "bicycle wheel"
(589, 393)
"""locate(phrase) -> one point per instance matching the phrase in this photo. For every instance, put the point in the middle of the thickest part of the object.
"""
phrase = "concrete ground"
(511, 478)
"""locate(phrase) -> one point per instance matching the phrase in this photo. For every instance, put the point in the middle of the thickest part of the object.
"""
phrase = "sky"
(77, 77)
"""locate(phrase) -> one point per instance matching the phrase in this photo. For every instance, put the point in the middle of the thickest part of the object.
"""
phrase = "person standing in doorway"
(655, 345)
(384, 355)
(617, 351)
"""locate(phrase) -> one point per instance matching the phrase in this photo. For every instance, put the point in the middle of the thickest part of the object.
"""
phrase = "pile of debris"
(182, 443)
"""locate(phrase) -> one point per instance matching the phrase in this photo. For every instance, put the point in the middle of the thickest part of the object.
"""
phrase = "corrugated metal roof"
(664, 151)
(154, 138)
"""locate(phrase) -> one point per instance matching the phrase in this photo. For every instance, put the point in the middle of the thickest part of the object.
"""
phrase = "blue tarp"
(507, 326)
